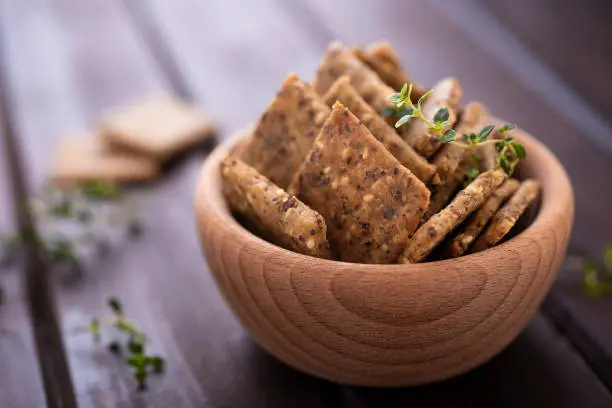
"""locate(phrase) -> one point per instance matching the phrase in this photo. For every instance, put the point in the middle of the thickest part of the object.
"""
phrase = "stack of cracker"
(130, 144)
(324, 174)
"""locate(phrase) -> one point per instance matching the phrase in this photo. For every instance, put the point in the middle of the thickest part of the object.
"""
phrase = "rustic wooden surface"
(63, 62)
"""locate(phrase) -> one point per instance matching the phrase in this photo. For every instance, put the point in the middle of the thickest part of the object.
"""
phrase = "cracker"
(383, 60)
(280, 217)
(337, 62)
(445, 94)
(370, 201)
(160, 127)
(448, 158)
(477, 221)
(442, 194)
(85, 158)
(344, 92)
(505, 218)
(432, 232)
(285, 132)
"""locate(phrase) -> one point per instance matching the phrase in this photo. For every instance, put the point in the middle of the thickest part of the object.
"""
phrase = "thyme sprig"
(509, 151)
(597, 278)
(57, 206)
(141, 363)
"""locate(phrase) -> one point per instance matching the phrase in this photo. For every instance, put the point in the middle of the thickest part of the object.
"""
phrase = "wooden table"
(64, 61)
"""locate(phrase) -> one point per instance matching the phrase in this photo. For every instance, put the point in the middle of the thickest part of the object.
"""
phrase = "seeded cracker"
(448, 158)
(337, 62)
(158, 128)
(477, 221)
(370, 201)
(343, 92)
(385, 62)
(445, 94)
(285, 132)
(507, 216)
(281, 217)
(85, 158)
(442, 194)
(430, 234)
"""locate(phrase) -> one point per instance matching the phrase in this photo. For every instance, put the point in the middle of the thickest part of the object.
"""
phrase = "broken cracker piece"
(281, 217)
(477, 221)
(448, 158)
(344, 92)
(285, 133)
(505, 218)
(432, 232)
(383, 60)
(444, 94)
(370, 201)
(339, 61)
(85, 157)
(160, 127)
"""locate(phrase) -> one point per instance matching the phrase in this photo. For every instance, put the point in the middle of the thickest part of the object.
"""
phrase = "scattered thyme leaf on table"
(59, 205)
(141, 363)
(597, 281)
(509, 152)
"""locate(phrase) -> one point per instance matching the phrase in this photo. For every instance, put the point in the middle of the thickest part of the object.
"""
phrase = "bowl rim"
(556, 200)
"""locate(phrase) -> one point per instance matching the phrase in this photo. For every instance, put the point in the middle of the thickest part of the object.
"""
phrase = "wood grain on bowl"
(386, 325)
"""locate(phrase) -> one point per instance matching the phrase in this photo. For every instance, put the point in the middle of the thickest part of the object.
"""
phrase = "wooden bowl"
(387, 325)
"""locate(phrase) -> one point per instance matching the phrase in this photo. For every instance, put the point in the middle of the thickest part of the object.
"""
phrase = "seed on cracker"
(505, 218)
(85, 158)
(285, 132)
(477, 221)
(344, 92)
(339, 61)
(383, 60)
(445, 94)
(370, 201)
(468, 200)
(278, 216)
(160, 127)
(449, 156)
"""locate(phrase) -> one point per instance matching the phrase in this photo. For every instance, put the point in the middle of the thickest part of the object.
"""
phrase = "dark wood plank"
(571, 36)
(585, 321)
(161, 278)
(537, 363)
(21, 384)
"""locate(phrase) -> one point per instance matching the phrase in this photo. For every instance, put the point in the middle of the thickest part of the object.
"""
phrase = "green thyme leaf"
(441, 115)
(485, 132)
(403, 93)
(395, 98)
(135, 346)
(94, 328)
(607, 258)
(115, 305)
(425, 95)
(100, 190)
(448, 136)
(506, 166)
(507, 127)
(60, 250)
(402, 121)
(470, 175)
(158, 364)
(519, 150)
